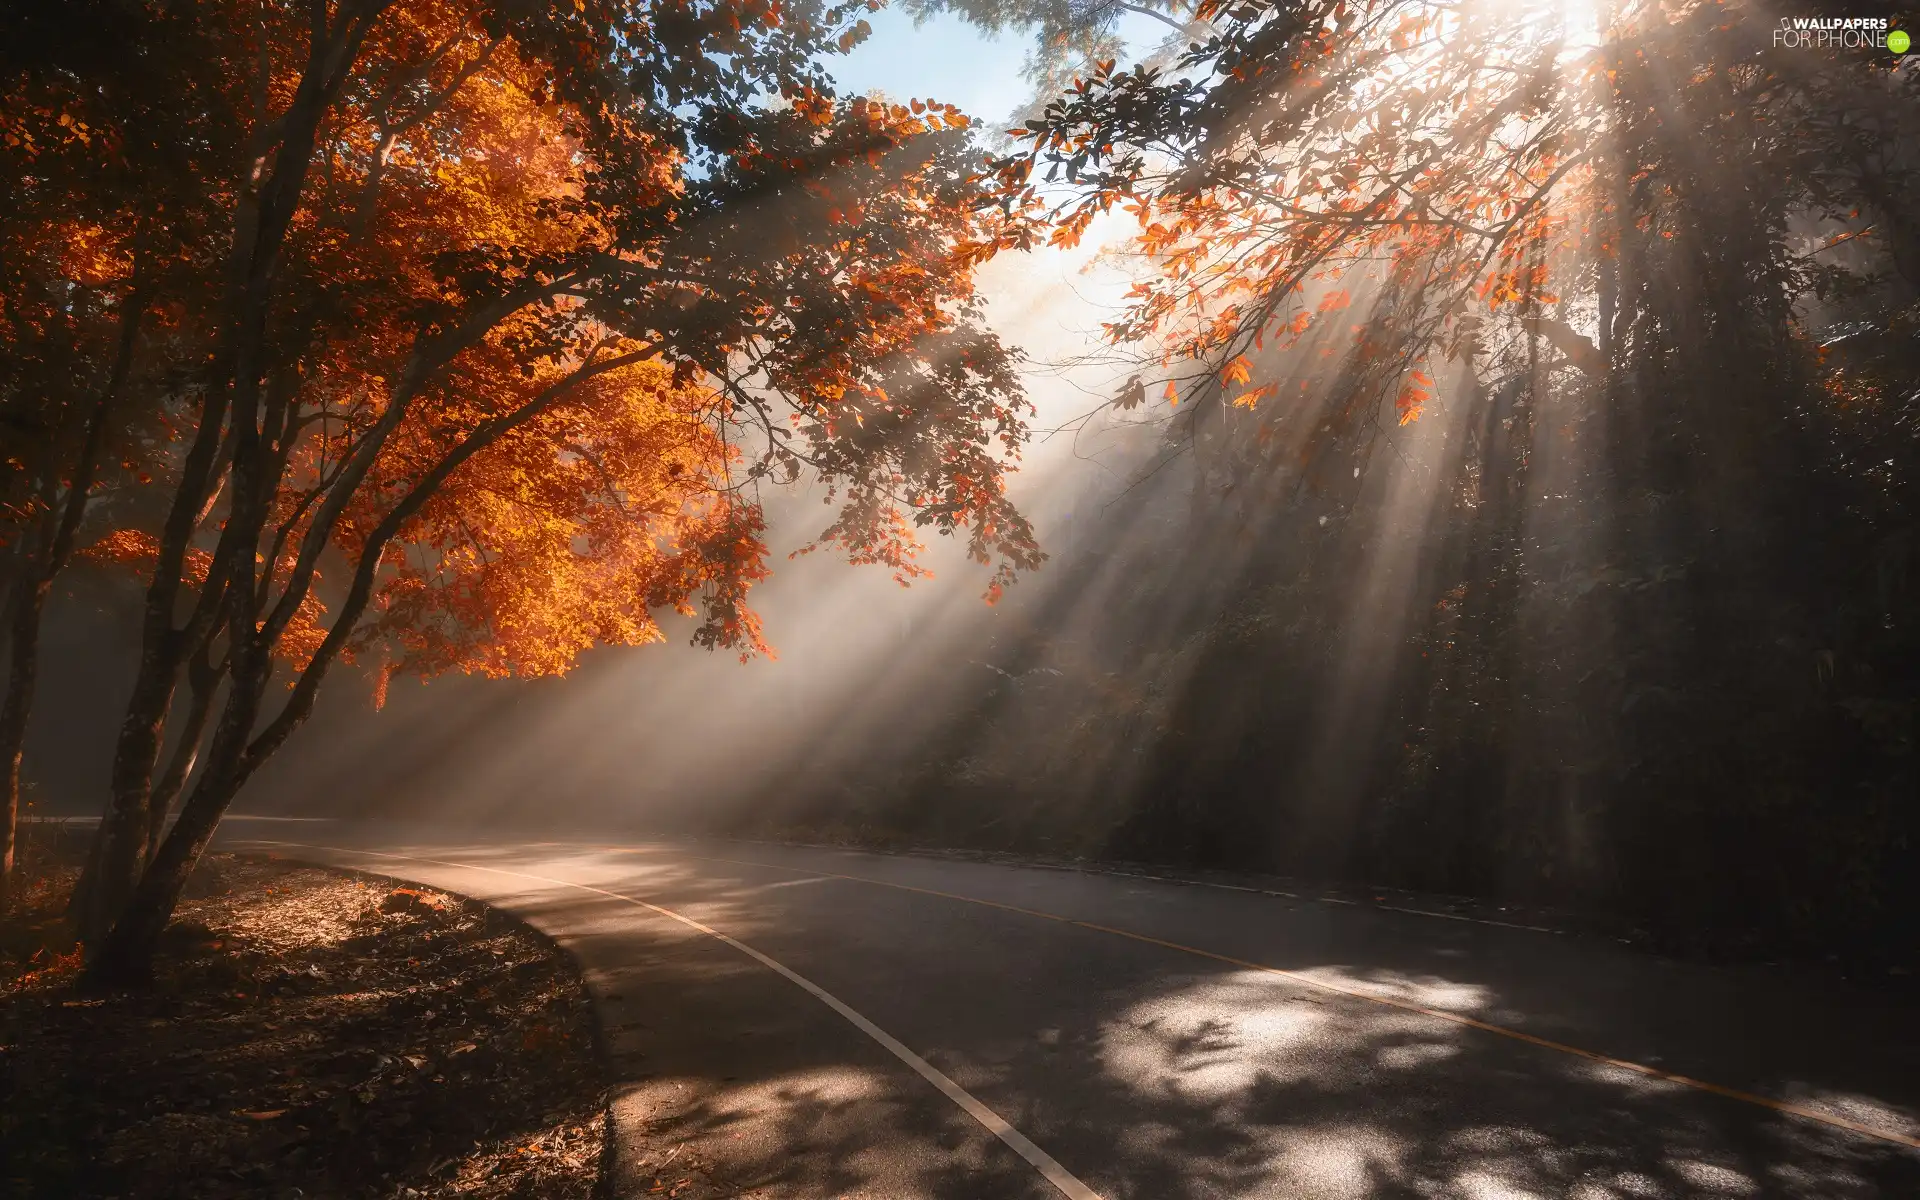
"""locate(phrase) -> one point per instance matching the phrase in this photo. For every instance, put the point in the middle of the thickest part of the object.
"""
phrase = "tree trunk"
(23, 662)
(185, 752)
(35, 578)
(125, 956)
(262, 221)
(114, 863)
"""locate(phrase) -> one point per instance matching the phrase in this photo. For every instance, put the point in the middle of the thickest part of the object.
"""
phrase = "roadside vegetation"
(308, 1032)
(453, 337)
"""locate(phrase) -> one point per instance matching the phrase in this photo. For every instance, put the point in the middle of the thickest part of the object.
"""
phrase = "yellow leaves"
(94, 255)
(304, 633)
(1413, 397)
(1409, 30)
(76, 127)
(138, 551)
(577, 527)
(134, 547)
(1252, 397)
(1513, 284)
(1427, 171)
(571, 531)
(1499, 288)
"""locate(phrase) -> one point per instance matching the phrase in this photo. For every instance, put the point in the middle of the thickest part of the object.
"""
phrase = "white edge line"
(1085, 869)
(1422, 912)
(1018, 1142)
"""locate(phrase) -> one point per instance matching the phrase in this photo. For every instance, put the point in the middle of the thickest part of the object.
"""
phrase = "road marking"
(1049, 1168)
(1427, 912)
(1083, 869)
(1798, 1110)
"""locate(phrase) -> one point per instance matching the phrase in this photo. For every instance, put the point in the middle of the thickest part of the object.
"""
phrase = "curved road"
(789, 1022)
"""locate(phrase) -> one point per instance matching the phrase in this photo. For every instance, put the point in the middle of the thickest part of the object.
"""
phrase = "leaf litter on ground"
(310, 1032)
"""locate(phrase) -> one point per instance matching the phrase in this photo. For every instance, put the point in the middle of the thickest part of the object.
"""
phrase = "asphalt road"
(790, 1022)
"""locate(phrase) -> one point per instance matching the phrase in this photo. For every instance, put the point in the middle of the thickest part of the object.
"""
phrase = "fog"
(670, 734)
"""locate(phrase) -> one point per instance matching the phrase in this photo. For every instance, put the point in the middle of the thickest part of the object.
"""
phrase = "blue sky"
(1050, 302)
(948, 60)
(944, 59)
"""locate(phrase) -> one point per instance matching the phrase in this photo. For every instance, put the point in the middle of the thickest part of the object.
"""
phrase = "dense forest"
(1506, 446)
(1539, 523)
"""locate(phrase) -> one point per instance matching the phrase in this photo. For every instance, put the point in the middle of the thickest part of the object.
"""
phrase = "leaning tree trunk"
(185, 752)
(261, 224)
(124, 956)
(120, 843)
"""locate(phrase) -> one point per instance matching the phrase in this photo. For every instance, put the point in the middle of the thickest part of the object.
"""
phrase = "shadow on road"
(1148, 1073)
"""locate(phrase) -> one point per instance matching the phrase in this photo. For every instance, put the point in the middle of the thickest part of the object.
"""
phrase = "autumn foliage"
(474, 330)
(1394, 184)
(573, 532)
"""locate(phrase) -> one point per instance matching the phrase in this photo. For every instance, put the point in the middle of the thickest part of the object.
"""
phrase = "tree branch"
(300, 704)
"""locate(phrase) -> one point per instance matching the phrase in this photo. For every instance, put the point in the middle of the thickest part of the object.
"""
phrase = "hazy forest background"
(1474, 452)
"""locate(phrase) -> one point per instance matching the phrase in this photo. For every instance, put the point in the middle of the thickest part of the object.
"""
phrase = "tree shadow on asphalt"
(1177, 1081)
(1168, 1102)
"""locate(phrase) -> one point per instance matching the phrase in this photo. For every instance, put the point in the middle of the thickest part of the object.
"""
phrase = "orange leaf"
(1248, 399)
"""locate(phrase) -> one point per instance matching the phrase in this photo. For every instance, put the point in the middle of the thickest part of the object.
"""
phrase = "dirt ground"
(311, 1033)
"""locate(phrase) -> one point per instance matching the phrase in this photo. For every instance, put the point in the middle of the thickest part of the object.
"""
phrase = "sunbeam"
(1133, 597)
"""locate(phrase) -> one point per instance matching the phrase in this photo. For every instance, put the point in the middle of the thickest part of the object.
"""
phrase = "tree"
(1069, 37)
(518, 304)
(81, 253)
(1490, 163)
(1639, 245)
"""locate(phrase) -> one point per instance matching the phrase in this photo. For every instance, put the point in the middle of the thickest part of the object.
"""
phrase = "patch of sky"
(941, 58)
(945, 58)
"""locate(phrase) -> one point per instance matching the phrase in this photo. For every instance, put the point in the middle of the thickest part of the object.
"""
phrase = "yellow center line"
(1783, 1106)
